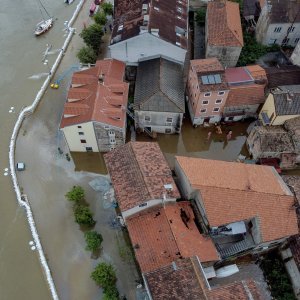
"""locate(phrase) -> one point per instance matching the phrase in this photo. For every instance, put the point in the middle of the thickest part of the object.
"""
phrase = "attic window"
(156, 8)
(179, 9)
(178, 43)
(179, 18)
(120, 27)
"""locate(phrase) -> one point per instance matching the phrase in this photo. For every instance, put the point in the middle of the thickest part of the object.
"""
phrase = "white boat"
(43, 26)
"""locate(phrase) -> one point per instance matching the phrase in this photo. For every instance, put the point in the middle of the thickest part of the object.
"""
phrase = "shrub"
(111, 293)
(104, 275)
(92, 36)
(107, 8)
(76, 194)
(274, 271)
(253, 50)
(100, 18)
(200, 16)
(93, 240)
(83, 215)
(87, 55)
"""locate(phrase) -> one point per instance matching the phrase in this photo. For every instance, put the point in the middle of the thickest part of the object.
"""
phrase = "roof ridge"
(234, 189)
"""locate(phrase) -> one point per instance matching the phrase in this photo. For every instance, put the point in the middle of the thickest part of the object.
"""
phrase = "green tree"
(253, 50)
(83, 215)
(107, 8)
(76, 194)
(104, 275)
(87, 55)
(111, 293)
(100, 18)
(200, 16)
(93, 240)
(92, 36)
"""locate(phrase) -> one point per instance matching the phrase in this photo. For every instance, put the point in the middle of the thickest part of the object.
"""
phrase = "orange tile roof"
(233, 191)
(190, 242)
(104, 102)
(152, 239)
(206, 65)
(257, 72)
(138, 172)
(242, 290)
(224, 24)
(159, 236)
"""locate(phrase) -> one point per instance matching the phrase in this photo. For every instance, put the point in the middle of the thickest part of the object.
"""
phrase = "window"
(218, 101)
(79, 127)
(169, 120)
(81, 133)
(230, 118)
(106, 127)
(207, 94)
(147, 118)
(285, 41)
(168, 130)
(143, 204)
(272, 41)
(203, 110)
(297, 40)
(205, 102)
(277, 29)
(216, 109)
(291, 29)
(211, 79)
(83, 141)
(120, 27)
(89, 149)
(221, 93)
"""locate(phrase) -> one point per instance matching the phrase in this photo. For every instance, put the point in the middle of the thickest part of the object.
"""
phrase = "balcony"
(232, 239)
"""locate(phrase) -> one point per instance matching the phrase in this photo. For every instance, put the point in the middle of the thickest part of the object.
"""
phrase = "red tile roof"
(243, 290)
(162, 237)
(233, 191)
(91, 100)
(183, 279)
(163, 16)
(238, 75)
(224, 24)
(139, 172)
(206, 65)
(177, 281)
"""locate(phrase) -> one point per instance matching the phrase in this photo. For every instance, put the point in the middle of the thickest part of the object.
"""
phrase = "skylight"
(211, 79)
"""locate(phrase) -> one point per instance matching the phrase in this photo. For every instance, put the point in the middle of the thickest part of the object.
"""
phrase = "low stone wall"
(23, 201)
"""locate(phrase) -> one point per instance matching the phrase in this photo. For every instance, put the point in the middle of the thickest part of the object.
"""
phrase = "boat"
(43, 26)
(69, 1)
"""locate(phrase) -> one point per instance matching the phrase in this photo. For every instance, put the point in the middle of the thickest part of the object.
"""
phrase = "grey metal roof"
(159, 86)
(286, 104)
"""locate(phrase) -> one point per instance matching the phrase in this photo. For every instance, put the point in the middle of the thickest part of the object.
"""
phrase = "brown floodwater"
(191, 142)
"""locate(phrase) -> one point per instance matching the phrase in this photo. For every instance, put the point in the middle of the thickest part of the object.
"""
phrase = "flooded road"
(21, 276)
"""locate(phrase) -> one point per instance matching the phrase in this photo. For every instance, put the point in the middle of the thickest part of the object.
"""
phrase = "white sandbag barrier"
(22, 199)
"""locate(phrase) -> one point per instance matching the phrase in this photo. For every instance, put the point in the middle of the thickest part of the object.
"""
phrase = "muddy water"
(21, 276)
(194, 142)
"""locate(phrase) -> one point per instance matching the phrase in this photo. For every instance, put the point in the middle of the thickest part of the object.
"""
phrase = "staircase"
(235, 248)
(131, 115)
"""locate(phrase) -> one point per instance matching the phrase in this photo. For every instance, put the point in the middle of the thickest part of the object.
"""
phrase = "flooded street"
(21, 276)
